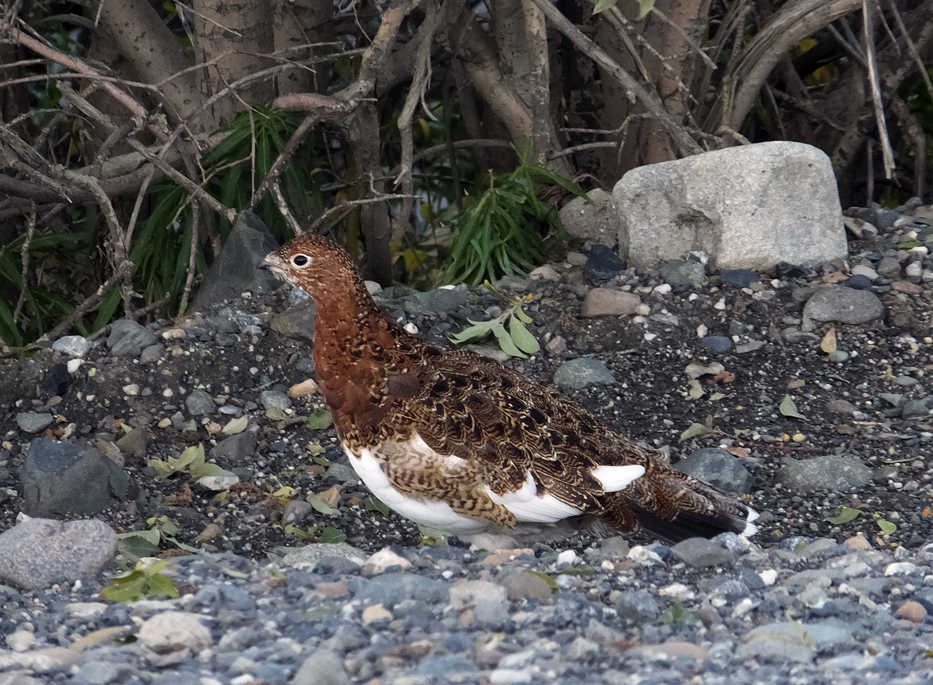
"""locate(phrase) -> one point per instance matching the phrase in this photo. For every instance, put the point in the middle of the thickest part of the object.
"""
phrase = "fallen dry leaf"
(828, 343)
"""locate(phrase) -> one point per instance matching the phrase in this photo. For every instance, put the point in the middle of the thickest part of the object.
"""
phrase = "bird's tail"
(676, 506)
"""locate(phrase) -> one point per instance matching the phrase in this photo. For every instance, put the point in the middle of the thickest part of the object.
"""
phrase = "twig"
(419, 83)
(24, 256)
(350, 204)
(192, 257)
(197, 190)
(582, 147)
(887, 153)
(284, 157)
(283, 208)
(72, 63)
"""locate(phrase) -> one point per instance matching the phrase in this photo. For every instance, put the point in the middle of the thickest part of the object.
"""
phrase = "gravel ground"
(290, 585)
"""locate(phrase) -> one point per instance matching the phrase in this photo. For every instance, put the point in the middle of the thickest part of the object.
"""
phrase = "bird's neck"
(351, 337)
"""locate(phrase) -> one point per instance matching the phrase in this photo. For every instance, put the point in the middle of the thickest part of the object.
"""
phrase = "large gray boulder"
(747, 207)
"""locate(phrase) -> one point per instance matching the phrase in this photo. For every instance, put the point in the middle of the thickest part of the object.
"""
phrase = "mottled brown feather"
(384, 386)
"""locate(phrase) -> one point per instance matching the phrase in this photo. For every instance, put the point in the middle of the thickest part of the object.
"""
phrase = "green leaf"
(522, 338)
(644, 6)
(696, 429)
(696, 390)
(373, 503)
(477, 330)
(192, 455)
(315, 449)
(161, 586)
(320, 505)
(139, 543)
(319, 420)
(208, 469)
(332, 535)
(845, 515)
(603, 5)
(788, 408)
(505, 341)
(887, 528)
(126, 589)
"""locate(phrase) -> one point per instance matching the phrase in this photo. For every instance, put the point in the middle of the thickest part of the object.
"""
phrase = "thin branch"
(284, 157)
(912, 48)
(186, 182)
(192, 257)
(887, 153)
(284, 210)
(72, 63)
(24, 256)
(350, 204)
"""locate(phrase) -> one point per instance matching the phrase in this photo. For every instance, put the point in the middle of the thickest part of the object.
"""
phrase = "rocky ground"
(805, 390)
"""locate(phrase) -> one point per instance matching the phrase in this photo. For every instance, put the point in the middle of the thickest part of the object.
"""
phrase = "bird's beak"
(274, 263)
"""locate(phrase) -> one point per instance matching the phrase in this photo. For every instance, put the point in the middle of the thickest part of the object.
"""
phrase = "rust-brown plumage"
(447, 425)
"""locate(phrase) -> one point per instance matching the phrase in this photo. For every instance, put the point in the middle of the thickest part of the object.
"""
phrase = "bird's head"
(315, 264)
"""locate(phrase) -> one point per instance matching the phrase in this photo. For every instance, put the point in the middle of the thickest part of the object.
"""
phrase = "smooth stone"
(578, 373)
(72, 345)
(701, 553)
(842, 304)
(858, 282)
(37, 553)
(33, 422)
(128, 338)
(274, 399)
(323, 667)
(835, 473)
(171, 631)
(718, 344)
(606, 302)
(683, 272)
(200, 403)
(717, 467)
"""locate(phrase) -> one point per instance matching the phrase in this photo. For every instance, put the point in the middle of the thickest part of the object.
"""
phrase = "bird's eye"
(301, 260)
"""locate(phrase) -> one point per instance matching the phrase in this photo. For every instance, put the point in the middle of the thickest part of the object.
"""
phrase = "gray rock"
(447, 668)
(578, 373)
(842, 304)
(866, 271)
(389, 589)
(296, 321)
(718, 344)
(602, 264)
(738, 277)
(151, 353)
(700, 553)
(134, 443)
(830, 472)
(72, 345)
(637, 606)
(238, 448)
(62, 478)
(889, 267)
(717, 467)
(522, 584)
(171, 631)
(37, 553)
(919, 407)
(236, 269)
(309, 556)
(592, 218)
(858, 282)
(606, 302)
(274, 399)
(32, 421)
(683, 272)
(488, 600)
(128, 338)
(436, 301)
(200, 403)
(732, 204)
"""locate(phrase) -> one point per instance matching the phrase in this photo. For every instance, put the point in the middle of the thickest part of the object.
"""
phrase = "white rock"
(383, 559)
(737, 205)
(900, 568)
(768, 576)
(73, 365)
(174, 630)
(218, 483)
(72, 345)
(567, 558)
(20, 640)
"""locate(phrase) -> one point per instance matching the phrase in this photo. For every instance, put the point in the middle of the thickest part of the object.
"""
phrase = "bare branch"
(887, 153)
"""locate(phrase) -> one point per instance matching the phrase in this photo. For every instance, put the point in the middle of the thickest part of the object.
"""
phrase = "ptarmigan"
(460, 443)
